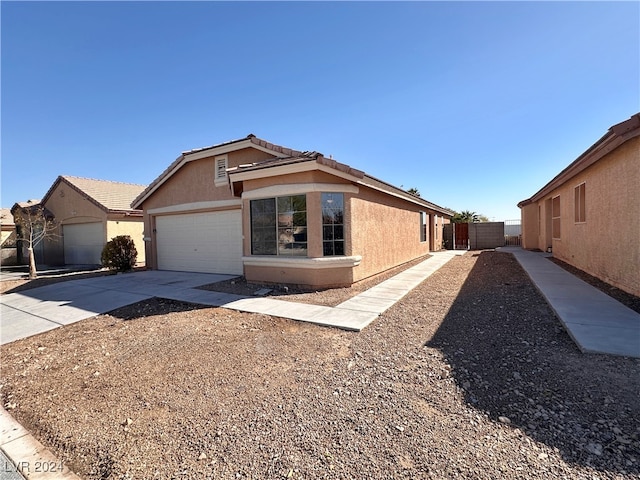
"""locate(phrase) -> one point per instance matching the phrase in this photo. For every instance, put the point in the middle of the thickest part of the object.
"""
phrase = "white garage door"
(83, 243)
(200, 242)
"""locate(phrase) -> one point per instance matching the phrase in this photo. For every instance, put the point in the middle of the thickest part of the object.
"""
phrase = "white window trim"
(221, 179)
(314, 263)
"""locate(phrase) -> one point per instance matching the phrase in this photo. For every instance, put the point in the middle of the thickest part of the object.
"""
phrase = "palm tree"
(414, 191)
(465, 216)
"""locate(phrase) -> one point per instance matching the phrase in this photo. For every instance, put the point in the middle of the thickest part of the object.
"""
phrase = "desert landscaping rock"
(190, 392)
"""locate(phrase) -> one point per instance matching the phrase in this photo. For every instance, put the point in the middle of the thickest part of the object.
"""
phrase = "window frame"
(279, 227)
(423, 227)
(579, 206)
(333, 241)
(556, 222)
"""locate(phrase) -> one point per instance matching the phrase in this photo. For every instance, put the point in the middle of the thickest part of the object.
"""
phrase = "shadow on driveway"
(513, 358)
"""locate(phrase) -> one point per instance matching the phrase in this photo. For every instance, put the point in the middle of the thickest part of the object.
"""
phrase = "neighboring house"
(8, 238)
(588, 214)
(88, 213)
(282, 216)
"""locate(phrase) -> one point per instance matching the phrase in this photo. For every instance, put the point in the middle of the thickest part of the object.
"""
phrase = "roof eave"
(614, 138)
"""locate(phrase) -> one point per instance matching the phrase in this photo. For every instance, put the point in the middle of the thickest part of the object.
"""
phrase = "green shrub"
(119, 254)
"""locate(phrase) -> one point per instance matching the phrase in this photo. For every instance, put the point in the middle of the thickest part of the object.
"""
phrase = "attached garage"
(208, 242)
(83, 243)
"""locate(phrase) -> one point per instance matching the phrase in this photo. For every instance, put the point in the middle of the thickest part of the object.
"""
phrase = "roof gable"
(615, 137)
(105, 194)
(250, 141)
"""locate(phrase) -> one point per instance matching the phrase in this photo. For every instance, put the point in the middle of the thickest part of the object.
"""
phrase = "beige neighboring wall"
(68, 207)
(607, 244)
(131, 227)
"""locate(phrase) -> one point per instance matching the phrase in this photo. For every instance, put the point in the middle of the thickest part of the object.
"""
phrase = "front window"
(332, 224)
(279, 226)
(423, 226)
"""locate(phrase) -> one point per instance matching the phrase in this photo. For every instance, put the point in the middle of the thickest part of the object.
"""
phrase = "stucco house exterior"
(587, 215)
(8, 237)
(88, 213)
(277, 215)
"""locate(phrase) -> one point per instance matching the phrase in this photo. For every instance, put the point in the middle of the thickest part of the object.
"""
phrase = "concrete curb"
(29, 457)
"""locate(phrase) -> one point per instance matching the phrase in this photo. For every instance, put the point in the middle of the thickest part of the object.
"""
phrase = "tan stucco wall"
(131, 227)
(385, 231)
(194, 182)
(607, 245)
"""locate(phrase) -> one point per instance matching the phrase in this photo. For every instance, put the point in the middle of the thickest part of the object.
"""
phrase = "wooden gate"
(460, 236)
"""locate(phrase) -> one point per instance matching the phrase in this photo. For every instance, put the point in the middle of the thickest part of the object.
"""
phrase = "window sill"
(302, 262)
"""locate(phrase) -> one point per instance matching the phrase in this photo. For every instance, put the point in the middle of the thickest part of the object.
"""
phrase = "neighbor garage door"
(200, 242)
(83, 243)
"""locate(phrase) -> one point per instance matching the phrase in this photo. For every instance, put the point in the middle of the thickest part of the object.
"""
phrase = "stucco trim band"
(306, 263)
(188, 207)
(299, 188)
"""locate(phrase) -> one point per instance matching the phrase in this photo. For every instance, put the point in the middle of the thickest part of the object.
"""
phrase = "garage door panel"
(83, 243)
(208, 242)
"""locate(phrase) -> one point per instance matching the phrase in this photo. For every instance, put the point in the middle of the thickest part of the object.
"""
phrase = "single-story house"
(88, 213)
(587, 215)
(7, 237)
(282, 216)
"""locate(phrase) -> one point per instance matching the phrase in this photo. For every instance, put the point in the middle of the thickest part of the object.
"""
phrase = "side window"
(332, 224)
(580, 212)
(555, 217)
(423, 226)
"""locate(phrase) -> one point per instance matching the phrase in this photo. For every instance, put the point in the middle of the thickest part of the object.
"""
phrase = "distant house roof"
(112, 197)
(284, 156)
(29, 206)
(6, 217)
(615, 136)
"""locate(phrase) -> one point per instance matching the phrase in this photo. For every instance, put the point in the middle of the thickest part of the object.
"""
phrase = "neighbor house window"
(279, 226)
(221, 165)
(423, 226)
(332, 224)
(579, 205)
(555, 217)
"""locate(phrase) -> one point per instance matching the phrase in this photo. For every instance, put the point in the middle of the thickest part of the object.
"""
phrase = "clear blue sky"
(475, 104)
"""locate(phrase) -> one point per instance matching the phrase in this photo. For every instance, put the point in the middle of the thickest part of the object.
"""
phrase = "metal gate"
(512, 233)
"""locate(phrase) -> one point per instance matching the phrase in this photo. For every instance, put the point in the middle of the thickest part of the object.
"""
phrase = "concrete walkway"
(595, 321)
(357, 312)
(41, 309)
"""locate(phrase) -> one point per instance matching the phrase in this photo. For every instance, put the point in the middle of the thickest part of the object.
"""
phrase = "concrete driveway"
(40, 309)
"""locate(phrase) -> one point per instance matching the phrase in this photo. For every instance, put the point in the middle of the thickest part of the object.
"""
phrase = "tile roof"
(288, 156)
(365, 179)
(6, 217)
(108, 195)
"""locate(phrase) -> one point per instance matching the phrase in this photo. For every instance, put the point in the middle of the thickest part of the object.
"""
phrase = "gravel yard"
(469, 376)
